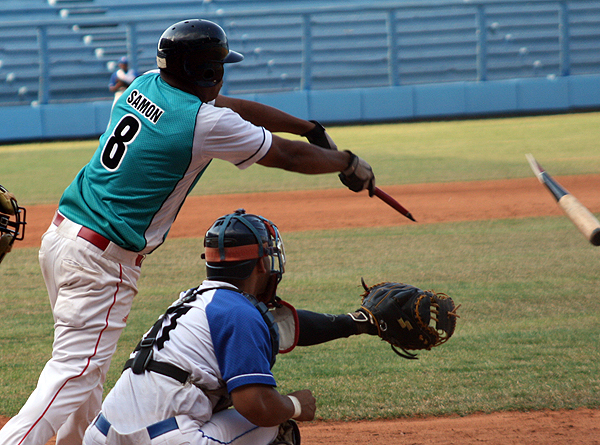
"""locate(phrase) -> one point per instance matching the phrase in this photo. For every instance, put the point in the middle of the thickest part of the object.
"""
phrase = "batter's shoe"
(289, 434)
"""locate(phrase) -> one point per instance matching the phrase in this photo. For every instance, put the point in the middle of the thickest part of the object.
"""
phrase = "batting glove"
(318, 136)
(358, 175)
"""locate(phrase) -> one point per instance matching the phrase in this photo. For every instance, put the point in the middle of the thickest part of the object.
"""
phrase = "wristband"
(297, 407)
(352, 164)
(316, 131)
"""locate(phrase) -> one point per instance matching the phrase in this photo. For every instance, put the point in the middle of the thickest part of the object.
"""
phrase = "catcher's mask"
(235, 242)
(195, 51)
(12, 222)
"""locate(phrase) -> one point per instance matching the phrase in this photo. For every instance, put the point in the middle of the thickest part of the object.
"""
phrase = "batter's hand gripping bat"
(583, 219)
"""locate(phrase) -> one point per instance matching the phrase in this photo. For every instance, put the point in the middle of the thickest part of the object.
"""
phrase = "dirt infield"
(580, 427)
(339, 208)
(577, 427)
(429, 203)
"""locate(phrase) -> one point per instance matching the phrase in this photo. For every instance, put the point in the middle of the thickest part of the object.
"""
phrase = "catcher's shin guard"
(289, 434)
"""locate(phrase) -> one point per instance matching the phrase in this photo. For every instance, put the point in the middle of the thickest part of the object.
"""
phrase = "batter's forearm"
(302, 157)
(271, 118)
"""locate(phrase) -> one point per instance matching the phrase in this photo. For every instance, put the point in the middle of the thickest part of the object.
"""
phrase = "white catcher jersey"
(221, 339)
(157, 145)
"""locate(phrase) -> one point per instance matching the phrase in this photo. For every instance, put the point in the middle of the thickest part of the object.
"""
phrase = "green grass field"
(529, 333)
(408, 153)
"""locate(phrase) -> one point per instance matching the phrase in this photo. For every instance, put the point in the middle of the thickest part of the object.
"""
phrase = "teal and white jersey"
(157, 145)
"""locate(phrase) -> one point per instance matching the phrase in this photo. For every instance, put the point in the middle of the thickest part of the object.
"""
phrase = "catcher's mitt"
(408, 317)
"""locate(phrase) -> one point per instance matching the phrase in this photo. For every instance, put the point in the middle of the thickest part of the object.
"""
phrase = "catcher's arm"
(403, 315)
(264, 406)
(316, 328)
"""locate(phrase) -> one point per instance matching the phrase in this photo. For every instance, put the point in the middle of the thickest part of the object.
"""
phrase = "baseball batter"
(162, 135)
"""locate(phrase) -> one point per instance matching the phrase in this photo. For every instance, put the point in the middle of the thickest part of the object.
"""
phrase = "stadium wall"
(349, 106)
(363, 62)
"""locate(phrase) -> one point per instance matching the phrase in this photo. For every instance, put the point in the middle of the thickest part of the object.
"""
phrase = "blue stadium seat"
(26, 10)
(349, 49)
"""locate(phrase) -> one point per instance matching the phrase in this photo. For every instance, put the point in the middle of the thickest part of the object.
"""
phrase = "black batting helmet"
(195, 50)
(235, 242)
(12, 222)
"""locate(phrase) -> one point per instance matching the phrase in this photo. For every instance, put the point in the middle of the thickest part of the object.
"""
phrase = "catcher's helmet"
(12, 222)
(195, 50)
(235, 242)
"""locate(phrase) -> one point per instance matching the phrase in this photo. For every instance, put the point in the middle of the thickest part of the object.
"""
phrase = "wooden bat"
(583, 219)
(392, 203)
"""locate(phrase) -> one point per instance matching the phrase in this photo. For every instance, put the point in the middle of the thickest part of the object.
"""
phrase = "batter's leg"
(73, 430)
(93, 299)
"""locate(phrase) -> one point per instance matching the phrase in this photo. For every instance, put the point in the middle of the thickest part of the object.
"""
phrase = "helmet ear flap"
(211, 72)
(206, 74)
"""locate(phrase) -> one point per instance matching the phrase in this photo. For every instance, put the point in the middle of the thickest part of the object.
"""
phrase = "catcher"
(12, 222)
(202, 374)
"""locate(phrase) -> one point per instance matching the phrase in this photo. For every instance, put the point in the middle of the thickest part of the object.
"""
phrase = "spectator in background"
(122, 78)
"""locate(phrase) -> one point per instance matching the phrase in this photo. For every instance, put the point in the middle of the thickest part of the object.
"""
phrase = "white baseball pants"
(91, 291)
(225, 427)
